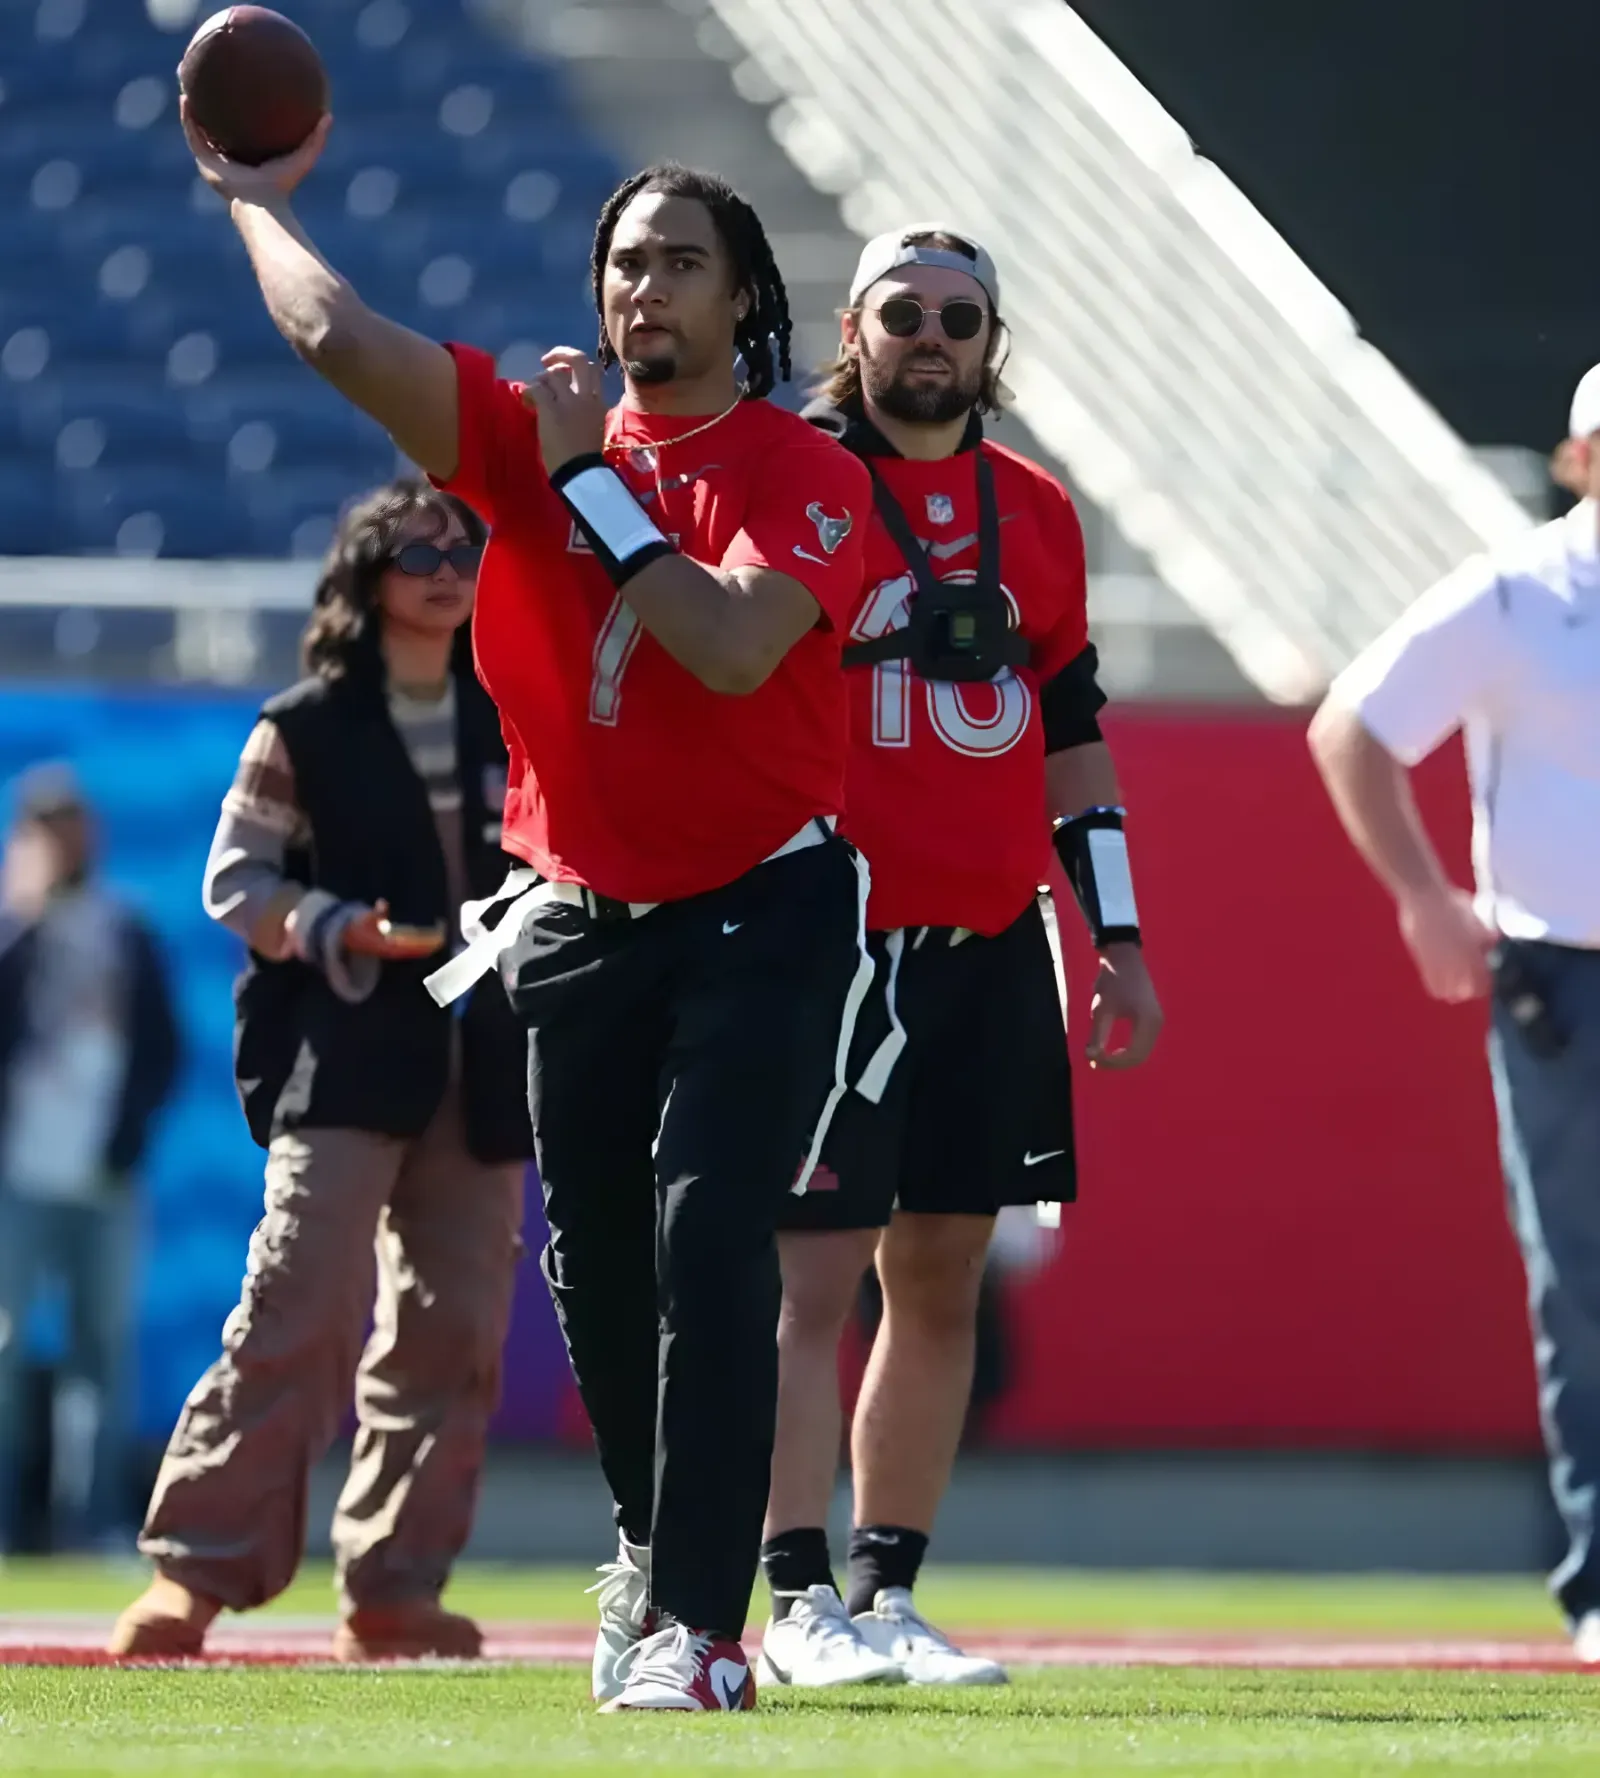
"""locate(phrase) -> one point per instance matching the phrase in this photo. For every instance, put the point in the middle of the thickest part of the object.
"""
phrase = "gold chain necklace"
(652, 448)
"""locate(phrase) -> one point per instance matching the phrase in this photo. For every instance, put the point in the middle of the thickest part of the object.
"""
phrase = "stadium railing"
(129, 621)
(1198, 381)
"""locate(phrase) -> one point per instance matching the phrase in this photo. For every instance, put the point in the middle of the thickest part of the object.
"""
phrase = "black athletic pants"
(680, 1066)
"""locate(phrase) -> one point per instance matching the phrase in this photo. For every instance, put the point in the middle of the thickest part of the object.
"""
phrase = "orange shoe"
(167, 1621)
(408, 1632)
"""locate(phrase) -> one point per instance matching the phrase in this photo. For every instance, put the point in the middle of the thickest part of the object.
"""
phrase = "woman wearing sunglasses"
(365, 810)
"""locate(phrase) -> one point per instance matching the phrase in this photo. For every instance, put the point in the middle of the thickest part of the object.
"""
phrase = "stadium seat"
(147, 509)
(88, 427)
(27, 519)
(75, 326)
(144, 393)
(292, 513)
(307, 421)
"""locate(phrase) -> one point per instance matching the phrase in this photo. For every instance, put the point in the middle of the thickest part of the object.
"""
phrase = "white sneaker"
(625, 1616)
(926, 1656)
(817, 1645)
(683, 1669)
(1586, 1638)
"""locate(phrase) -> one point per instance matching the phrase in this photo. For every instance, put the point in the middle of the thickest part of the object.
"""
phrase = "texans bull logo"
(830, 532)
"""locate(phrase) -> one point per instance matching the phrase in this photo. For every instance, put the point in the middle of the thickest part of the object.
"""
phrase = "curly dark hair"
(340, 634)
(766, 330)
(840, 379)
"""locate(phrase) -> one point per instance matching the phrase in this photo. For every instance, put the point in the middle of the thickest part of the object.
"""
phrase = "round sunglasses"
(423, 559)
(903, 316)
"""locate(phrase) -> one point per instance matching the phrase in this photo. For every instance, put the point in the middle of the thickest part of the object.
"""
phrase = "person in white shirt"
(1507, 650)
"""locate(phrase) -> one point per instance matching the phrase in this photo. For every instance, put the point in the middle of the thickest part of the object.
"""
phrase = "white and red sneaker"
(625, 1617)
(682, 1669)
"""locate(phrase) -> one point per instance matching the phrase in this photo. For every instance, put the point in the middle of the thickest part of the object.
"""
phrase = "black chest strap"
(954, 631)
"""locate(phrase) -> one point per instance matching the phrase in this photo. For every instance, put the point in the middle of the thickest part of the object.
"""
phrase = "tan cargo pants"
(228, 1514)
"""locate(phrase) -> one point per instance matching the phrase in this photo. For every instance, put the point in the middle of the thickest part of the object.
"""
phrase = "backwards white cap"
(887, 253)
(1584, 420)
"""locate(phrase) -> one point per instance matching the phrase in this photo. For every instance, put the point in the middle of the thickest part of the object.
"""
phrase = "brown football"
(255, 83)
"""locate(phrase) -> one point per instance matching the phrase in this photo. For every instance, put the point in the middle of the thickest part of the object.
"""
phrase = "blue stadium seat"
(192, 508)
(134, 346)
(169, 231)
(91, 137)
(274, 508)
(17, 437)
(52, 81)
(436, 160)
(36, 238)
(76, 324)
(27, 517)
(134, 422)
(237, 320)
(309, 422)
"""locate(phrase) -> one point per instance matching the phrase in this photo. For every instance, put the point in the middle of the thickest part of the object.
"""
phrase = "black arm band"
(620, 532)
(1070, 703)
(1094, 853)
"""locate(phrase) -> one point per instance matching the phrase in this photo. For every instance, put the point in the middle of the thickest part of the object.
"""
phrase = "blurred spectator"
(88, 1055)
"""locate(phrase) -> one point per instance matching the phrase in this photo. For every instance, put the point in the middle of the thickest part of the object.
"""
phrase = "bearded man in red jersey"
(974, 719)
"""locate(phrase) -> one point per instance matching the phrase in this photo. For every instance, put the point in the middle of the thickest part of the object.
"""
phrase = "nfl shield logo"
(941, 509)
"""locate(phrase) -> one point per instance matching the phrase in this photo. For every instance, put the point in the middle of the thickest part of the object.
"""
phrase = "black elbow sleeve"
(1071, 702)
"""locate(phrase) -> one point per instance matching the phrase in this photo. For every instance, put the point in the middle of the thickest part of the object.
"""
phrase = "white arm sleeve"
(1432, 668)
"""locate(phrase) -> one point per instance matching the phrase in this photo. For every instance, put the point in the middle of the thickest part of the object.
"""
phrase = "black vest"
(305, 1059)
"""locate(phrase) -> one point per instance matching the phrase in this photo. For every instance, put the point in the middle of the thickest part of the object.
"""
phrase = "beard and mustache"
(655, 361)
(652, 370)
(892, 390)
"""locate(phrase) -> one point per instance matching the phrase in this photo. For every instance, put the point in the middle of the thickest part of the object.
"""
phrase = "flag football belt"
(524, 891)
(952, 630)
(880, 1064)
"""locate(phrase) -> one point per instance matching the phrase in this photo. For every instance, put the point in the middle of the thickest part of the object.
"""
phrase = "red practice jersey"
(945, 793)
(626, 773)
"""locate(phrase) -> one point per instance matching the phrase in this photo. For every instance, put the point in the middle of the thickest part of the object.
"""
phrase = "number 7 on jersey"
(613, 649)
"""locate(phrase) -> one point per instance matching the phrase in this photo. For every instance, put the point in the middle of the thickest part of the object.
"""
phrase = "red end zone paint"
(79, 1642)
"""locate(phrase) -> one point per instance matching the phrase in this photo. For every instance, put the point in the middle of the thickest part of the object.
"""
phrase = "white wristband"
(1113, 876)
(600, 498)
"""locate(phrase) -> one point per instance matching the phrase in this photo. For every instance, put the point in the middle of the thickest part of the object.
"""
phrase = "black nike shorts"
(977, 1111)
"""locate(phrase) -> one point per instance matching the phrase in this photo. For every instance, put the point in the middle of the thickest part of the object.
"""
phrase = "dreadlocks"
(766, 329)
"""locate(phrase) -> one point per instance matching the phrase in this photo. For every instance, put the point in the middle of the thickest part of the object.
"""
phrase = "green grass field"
(974, 1598)
(540, 1722)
